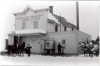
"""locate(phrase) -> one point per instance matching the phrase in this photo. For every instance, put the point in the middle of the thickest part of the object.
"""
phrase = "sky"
(88, 14)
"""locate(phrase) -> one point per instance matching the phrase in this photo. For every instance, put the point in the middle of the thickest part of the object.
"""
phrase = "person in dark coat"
(28, 49)
(59, 48)
(23, 43)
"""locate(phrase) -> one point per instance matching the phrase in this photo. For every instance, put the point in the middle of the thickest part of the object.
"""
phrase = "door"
(15, 39)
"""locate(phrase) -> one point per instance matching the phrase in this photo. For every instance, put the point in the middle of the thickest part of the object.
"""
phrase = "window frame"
(65, 28)
(56, 28)
(35, 24)
(64, 42)
(23, 25)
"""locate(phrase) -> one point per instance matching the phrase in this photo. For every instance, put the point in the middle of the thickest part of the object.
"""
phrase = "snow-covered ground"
(50, 60)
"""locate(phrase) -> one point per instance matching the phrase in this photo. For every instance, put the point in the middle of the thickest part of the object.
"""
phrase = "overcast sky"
(88, 14)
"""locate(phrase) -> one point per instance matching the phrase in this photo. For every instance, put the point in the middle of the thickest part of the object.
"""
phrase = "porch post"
(9, 40)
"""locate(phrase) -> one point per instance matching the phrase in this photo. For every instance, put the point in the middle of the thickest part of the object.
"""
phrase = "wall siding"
(34, 42)
(71, 42)
(42, 22)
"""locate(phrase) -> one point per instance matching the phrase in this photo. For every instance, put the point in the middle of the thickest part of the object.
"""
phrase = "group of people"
(90, 48)
(27, 49)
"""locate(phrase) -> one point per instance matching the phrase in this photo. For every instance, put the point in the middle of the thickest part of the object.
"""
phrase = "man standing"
(59, 48)
(28, 49)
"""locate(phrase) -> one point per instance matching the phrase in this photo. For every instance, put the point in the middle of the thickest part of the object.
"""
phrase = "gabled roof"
(28, 7)
(63, 21)
(52, 17)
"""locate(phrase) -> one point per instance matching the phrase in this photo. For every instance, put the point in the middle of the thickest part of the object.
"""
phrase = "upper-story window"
(35, 24)
(64, 28)
(23, 25)
(56, 28)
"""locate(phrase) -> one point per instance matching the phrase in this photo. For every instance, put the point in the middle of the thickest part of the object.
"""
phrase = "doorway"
(49, 46)
(15, 39)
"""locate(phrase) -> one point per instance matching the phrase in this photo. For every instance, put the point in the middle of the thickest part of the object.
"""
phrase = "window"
(64, 28)
(72, 28)
(35, 24)
(63, 41)
(56, 28)
(23, 25)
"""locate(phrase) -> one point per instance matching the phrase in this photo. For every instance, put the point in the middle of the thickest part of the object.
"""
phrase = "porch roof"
(28, 32)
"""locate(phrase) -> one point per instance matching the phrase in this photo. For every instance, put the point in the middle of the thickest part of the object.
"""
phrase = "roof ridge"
(64, 21)
(32, 9)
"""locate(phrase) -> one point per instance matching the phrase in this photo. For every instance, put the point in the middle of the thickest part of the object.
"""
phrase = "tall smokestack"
(51, 9)
(77, 15)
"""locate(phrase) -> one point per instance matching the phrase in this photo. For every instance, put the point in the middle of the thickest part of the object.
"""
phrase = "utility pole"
(77, 14)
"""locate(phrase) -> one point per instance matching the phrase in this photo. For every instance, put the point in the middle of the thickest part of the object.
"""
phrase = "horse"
(11, 50)
(90, 49)
(21, 48)
(87, 49)
(84, 48)
(96, 46)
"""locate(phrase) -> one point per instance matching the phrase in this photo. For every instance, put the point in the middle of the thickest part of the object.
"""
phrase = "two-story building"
(43, 30)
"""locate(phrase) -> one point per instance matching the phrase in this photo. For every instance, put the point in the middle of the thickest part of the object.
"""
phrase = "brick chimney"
(51, 9)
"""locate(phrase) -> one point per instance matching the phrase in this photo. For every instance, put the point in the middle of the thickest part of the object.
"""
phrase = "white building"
(43, 30)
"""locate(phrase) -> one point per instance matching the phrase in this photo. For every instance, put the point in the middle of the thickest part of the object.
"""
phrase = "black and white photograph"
(49, 33)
